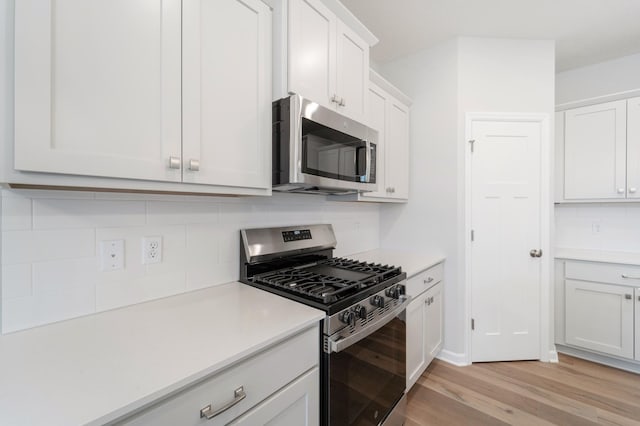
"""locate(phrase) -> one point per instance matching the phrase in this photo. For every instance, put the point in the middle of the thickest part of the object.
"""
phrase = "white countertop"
(625, 258)
(411, 262)
(97, 368)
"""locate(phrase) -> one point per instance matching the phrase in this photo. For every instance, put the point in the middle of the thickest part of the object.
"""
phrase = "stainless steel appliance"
(317, 150)
(363, 338)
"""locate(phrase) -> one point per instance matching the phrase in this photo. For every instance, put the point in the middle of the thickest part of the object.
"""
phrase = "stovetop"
(329, 284)
(297, 262)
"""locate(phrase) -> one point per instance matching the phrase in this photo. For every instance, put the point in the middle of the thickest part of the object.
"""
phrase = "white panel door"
(505, 218)
(297, 404)
(416, 345)
(633, 148)
(97, 87)
(312, 51)
(599, 317)
(434, 322)
(637, 324)
(595, 152)
(397, 152)
(227, 92)
(377, 119)
(352, 73)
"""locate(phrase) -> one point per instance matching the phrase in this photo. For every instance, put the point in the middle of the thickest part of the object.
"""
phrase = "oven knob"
(360, 311)
(393, 292)
(348, 317)
(377, 301)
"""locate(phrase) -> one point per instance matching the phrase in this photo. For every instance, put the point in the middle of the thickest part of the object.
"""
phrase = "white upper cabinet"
(321, 57)
(226, 83)
(97, 87)
(595, 152)
(633, 148)
(163, 95)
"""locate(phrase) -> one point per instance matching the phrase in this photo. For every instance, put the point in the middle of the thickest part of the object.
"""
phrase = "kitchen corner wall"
(51, 241)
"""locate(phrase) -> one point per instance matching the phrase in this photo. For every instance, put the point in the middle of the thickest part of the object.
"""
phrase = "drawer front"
(260, 376)
(425, 280)
(603, 272)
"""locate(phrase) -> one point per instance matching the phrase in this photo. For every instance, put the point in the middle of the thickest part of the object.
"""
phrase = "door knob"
(535, 253)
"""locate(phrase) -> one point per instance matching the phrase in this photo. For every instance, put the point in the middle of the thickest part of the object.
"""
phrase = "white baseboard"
(553, 356)
(631, 366)
(455, 358)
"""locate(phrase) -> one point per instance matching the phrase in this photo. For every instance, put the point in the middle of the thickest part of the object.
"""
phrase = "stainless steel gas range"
(363, 338)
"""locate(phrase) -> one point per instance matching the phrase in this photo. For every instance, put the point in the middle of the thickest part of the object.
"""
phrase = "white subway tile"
(18, 314)
(58, 214)
(52, 307)
(16, 281)
(16, 213)
(117, 294)
(64, 276)
(173, 213)
(40, 246)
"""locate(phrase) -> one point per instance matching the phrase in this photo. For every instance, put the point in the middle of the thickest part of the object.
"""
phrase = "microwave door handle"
(367, 171)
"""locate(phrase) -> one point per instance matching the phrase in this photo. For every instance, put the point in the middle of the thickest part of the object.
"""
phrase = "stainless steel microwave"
(317, 150)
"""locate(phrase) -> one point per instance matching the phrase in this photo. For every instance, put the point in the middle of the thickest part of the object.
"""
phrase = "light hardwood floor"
(571, 392)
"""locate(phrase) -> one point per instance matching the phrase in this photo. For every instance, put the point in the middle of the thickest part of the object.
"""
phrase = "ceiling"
(585, 31)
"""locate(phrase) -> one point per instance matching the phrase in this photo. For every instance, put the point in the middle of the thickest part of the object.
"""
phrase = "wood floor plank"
(571, 392)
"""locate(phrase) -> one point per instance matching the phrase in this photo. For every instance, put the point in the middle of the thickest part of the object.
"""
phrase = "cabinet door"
(633, 148)
(352, 73)
(433, 322)
(397, 152)
(416, 356)
(599, 317)
(595, 152)
(97, 87)
(377, 118)
(637, 325)
(297, 404)
(227, 92)
(312, 51)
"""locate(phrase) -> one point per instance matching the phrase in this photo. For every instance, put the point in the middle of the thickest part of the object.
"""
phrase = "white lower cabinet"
(424, 318)
(599, 317)
(637, 325)
(279, 386)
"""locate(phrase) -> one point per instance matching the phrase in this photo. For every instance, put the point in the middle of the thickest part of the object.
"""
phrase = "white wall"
(605, 78)
(459, 76)
(51, 241)
(429, 221)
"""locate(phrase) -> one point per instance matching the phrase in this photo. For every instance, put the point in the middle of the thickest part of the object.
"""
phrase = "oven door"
(366, 376)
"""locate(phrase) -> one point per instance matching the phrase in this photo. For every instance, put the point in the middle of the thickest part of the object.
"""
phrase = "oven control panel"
(296, 235)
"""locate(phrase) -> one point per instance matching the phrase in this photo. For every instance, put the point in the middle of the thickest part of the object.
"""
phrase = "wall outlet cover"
(112, 255)
(151, 250)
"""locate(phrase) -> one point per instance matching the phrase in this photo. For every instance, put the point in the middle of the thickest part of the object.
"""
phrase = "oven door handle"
(341, 344)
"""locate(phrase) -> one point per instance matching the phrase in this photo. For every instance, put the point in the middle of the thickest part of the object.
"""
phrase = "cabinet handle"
(535, 253)
(629, 277)
(335, 99)
(389, 189)
(194, 165)
(620, 190)
(238, 395)
(174, 163)
(342, 102)
(428, 280)
(628, 296)
(632, 190)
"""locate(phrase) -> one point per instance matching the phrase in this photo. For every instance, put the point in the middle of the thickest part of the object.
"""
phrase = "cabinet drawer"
(260, 376)
(604, 273)
(425, 280)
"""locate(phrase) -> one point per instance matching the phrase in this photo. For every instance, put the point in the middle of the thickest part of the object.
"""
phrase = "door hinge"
(471, 142)
(473, 235)
(473, 324)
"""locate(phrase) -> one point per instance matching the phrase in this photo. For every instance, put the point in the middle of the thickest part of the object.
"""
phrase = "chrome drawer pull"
(630, 277)
(238, 395)
(428, 280)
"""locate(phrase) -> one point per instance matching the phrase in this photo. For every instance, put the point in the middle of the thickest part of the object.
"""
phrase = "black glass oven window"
(368, 378)
(329, 153)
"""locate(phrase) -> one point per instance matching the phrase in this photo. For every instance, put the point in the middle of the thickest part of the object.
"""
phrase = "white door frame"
(547, 348)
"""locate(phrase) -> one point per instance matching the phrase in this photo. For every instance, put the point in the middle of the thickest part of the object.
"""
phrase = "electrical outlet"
(151, 250)
(112, 255)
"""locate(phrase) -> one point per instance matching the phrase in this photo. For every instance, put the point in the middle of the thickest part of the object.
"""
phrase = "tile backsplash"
(607, 227)
(51, 245)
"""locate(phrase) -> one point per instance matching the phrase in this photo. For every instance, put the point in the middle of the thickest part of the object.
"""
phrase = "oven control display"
(297, 235)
